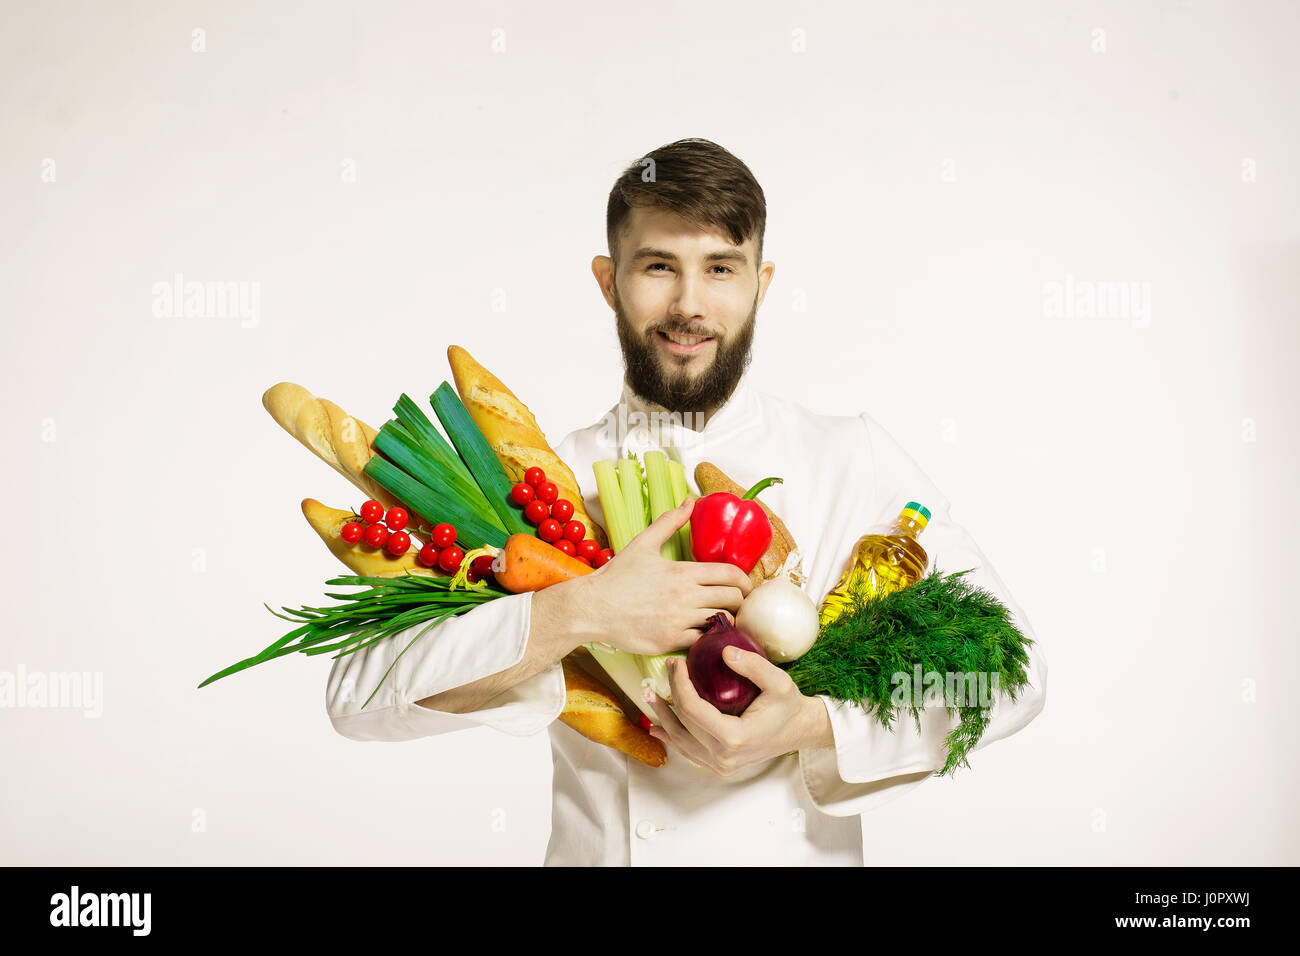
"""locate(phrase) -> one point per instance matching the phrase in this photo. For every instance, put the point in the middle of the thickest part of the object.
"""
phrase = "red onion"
(714, 681)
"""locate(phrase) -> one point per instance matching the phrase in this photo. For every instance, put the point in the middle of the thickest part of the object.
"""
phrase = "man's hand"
(781, 720)
(642, 603)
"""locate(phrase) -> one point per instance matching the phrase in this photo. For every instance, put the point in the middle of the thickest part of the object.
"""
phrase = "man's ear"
(602, 267)
(765, 272)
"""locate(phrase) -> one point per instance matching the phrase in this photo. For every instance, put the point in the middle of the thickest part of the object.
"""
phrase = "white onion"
(781, 617)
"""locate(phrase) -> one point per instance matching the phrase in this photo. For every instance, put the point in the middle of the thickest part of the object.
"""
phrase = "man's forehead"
(659, 234)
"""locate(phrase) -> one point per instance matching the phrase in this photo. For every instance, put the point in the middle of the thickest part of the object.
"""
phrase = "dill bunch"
(942, 623)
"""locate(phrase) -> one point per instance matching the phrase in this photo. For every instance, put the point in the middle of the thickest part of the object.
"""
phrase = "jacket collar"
(645, 425)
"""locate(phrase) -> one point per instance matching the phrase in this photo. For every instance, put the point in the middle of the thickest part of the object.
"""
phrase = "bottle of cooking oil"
(886, 558)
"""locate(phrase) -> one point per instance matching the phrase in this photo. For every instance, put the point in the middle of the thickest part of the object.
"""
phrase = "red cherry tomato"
(602, 559)
(444, 536)
(397, 518)
(646, 723)
(371, 511)
(562, 510)
(550, 530)
(376, 535)
(398, 543)
(449, 558)
(575, 531)
(521, 494)
(472, 576)
(534, 477)
(351, 532)
(482, 565)
(583, 560)
(548, 491)
(428, 556)
(567, 546)
(588, 548)
(535, 512)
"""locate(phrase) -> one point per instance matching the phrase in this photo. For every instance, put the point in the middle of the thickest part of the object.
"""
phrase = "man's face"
(685, 303)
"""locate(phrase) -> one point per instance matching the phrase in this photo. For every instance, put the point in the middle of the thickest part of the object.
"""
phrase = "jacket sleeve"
(870, 765)
(485, 641)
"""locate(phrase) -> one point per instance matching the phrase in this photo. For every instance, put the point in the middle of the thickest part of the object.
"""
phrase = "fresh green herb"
(944, 625)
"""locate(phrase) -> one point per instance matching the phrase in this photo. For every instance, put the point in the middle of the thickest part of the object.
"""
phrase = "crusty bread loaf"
(593, 711)
(341, 441)
(360, 558)
(512, 431)
(710, 478)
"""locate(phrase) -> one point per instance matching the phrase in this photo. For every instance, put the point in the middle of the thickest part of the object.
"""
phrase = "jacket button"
(645, 829)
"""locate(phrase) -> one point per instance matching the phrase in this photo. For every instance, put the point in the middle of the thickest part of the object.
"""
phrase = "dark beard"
(675, 390)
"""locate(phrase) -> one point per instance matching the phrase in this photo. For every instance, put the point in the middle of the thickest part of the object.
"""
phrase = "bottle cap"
(917, 512)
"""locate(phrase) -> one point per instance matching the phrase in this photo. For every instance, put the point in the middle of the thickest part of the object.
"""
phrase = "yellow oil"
(886, 558)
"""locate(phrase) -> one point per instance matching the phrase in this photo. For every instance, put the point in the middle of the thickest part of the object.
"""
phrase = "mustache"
(677, 330)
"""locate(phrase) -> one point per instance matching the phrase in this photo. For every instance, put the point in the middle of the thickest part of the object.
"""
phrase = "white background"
(929, 169)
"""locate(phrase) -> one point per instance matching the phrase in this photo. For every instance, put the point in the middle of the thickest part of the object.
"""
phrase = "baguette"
(359, 558)
(593, 711)
(512, 431)
(710, 478)
(341, 441)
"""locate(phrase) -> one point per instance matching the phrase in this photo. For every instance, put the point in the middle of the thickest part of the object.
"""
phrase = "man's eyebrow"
(722, 255)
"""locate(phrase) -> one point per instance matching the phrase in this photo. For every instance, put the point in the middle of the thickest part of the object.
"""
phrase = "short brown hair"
(698, 180)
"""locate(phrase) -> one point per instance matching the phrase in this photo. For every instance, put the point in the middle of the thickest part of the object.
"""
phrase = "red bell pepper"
(731, 530)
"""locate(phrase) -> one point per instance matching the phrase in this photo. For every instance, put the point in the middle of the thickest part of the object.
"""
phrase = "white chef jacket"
(842, 474)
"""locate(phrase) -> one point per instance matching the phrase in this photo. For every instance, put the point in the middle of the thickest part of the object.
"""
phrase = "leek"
(479, 458)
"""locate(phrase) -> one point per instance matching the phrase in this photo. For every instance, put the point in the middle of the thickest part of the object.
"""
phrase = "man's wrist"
(818, 733)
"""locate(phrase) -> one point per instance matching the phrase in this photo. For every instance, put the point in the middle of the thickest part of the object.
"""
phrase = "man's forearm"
(552, 635)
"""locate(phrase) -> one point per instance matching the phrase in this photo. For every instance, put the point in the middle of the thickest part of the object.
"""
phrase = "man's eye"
(728, 268)
(656, 265)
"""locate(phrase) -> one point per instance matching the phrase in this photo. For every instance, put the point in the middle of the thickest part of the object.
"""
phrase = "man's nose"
(688, 302)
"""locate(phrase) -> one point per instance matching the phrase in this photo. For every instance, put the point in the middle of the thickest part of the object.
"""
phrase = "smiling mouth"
(683, 344)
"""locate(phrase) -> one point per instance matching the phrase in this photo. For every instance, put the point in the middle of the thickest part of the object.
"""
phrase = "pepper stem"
(749, 495)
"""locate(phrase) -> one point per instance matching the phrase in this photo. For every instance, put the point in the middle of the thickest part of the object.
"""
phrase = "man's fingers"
(717, 573)
(719, 598)
(659, 531)
(766, 675)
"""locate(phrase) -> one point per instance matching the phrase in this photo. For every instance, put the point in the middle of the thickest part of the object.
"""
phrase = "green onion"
(479, 457)
(385, 607)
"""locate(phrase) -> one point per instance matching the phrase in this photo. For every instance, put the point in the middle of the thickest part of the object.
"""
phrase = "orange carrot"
(527, 563)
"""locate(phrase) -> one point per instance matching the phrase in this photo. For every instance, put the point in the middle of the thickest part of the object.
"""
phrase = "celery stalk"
(634, 501)
(611, 503)
(660, 491)
(677, 475)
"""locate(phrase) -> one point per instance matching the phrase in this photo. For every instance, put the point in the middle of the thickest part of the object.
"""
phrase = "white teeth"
(685, 339)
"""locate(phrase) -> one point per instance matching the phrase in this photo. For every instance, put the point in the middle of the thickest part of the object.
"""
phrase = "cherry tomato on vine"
(398, 543)
(449, 558)
(548, 491)
(562, 510)
(521, 494)
(535, 512)
(428, 556)
(567, 546)
(371, 511)
(376, 535)
(397, 518)
(603, 558)
(588, 548)
(575, 531)
(351, 532)
(583, 560)
(534, 477)
(444, 536)
(482, 565)
(550, 531)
